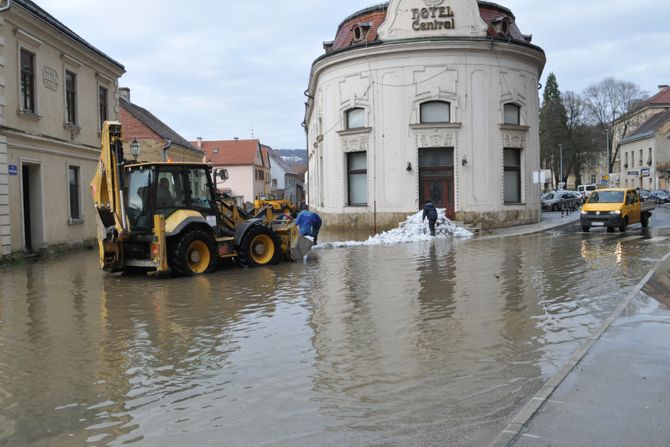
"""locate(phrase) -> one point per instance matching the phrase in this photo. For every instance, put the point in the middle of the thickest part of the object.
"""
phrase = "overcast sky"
(217, 69)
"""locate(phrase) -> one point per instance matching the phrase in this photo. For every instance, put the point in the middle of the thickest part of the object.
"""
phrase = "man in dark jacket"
(430, 212)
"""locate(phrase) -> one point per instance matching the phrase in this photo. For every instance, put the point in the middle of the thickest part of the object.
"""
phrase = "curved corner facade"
(421, 99)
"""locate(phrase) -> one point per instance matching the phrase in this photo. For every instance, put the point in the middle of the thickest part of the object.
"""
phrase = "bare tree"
(580, 147)
(611, 100)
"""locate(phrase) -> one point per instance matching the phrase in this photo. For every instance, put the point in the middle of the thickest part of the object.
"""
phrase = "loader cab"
(164, 188)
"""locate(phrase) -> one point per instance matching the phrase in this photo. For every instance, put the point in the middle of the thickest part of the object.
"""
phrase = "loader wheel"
(259, 246)
(194, 253)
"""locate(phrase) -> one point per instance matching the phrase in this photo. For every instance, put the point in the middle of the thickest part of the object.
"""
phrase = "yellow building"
(56, 89)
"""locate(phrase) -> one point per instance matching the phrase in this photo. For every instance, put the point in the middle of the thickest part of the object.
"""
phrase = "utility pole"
(560, 148)
(607, 143)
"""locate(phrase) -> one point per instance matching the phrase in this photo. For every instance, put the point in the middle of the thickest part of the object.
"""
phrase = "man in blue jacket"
(430, 212)
(309, 223)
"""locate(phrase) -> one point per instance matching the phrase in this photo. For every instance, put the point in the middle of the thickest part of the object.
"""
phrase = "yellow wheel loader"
(167, 218)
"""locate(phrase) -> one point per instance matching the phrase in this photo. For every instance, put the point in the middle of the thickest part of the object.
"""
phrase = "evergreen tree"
(553, 124)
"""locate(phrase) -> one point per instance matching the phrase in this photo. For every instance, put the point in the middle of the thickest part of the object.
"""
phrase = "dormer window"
(435, 112)
(355, 118)
(512, 114)
(361, 31)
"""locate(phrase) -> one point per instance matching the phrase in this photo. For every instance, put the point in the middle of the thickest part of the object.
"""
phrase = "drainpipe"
(166, 146)
(7, 6)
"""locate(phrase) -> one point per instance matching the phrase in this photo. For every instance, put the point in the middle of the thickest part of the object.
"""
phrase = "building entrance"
(31, 190)
(436, 178)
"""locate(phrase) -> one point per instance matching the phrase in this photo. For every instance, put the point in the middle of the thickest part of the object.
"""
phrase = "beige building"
(425, 99)
(646, 155)
(625, 126)
(56, 89)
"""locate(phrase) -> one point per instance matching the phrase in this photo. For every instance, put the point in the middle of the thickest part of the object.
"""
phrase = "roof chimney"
(124, 92)
(662, 86)
(236, 138)
(199, 145)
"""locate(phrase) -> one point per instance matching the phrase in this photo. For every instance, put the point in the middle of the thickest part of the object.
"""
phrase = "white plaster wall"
(240, 182)
(390, 82)
(5, 233)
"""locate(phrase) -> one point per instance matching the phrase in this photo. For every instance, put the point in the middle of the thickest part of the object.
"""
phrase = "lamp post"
(560, 148)
(607, 143)
(135, 149)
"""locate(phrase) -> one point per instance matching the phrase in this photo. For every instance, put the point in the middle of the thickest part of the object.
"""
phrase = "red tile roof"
(662, 97)
(375, 16)
(230, 152)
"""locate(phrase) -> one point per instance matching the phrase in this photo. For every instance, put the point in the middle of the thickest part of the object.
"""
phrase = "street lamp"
(135, 149)
(607, 143)
(560, 148)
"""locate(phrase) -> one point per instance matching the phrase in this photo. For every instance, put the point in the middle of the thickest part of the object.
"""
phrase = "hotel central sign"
(433, 16)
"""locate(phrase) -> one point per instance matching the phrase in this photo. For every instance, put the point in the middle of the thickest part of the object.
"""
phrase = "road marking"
(526, 435)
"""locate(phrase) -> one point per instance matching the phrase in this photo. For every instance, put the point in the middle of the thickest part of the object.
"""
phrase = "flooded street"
(431, 343)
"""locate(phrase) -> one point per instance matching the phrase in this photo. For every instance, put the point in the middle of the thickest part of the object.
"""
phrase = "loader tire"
(194, 253)
(259, 246)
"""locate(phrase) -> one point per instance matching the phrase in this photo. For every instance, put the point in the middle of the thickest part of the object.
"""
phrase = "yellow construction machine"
(167, 218)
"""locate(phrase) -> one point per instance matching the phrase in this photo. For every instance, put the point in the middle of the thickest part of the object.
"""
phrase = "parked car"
(586, 190)
(580, 199)
(645, 194)
(557, 200)
(661, 196)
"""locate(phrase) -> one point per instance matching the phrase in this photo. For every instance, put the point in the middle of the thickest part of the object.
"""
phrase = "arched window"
(355, 118)
(512, 114)
(435, 112)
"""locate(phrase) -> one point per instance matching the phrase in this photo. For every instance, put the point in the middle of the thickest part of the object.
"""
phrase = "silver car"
(558, 200)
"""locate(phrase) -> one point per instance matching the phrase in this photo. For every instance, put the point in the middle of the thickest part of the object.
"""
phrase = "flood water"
(432, 343)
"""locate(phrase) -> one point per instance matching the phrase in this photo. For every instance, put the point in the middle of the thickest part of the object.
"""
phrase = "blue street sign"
(13, 169)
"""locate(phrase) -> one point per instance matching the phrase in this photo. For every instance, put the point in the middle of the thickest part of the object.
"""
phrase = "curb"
(530, 231)
(514, 428)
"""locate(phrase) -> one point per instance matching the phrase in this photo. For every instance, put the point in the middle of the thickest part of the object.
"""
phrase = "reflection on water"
(432, 343)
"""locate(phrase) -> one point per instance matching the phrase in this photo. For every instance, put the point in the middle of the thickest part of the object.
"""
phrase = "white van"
(586, 190)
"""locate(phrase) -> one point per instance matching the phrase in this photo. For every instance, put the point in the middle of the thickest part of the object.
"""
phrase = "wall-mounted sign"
(50, 78)
(645, 172)
(633, 173)
(13, 170)
(433, 17)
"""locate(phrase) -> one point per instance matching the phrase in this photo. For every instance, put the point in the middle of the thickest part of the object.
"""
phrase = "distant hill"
(293, 157)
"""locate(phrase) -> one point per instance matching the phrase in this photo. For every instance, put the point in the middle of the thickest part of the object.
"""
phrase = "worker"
(430, 212)
(309, 223)
(164, 197)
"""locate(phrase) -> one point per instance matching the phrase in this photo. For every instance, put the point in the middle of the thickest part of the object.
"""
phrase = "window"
(73, 175)
(357, 170)
(512, 114)
(199, 189)
(70, 97)
(102, 104)
(27, 81)
(355, 118)
(625, 164)
(641, 157)
(594, 163)
(435, 112)
(512, 174)
(171, 191)
(593, 178)
(632, 159)
(274, 182)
